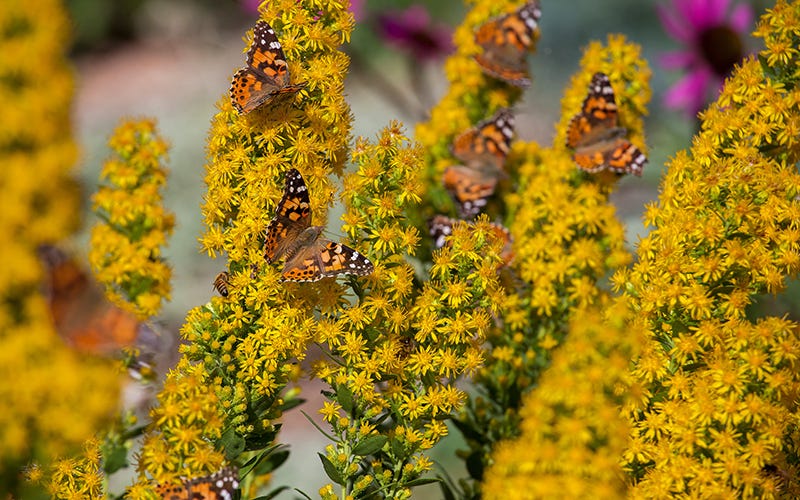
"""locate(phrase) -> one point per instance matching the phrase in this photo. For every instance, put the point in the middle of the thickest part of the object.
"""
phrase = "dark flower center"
(721, 48)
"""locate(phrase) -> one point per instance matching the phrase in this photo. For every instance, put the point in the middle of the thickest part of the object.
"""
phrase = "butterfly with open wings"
(505, 41)
(308, 256)
(266, 75)
(599, 143)
(482, 151)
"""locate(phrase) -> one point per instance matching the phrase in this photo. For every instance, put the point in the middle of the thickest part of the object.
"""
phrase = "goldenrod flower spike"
(401, 348)
(126, 247)
(571, 430)
(717, 411)
(243, 349)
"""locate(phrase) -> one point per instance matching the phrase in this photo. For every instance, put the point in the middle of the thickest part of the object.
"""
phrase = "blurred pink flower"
(713, 39)
(413, 30)
(357, 8)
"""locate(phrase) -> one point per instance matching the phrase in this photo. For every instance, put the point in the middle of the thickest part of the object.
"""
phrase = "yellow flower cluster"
(401, 348)
(248, 154)
(717, 413)
(78, 477)
(572, 432)
(243, 349)
(126, 248)
(53, 398)
(186, 422)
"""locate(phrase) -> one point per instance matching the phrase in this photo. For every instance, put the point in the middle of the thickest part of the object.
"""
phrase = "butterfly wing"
(440, 227)
(323, 259)
(469, 188)
(505, 41)
(487, 143)
(81, 314)
(220, 485)
(625, 158)
(266, 74)
(292, 217)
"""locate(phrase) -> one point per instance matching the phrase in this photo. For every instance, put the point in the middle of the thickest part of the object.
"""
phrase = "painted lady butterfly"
(309, 256)
(266, 75)
(482, 151)
(441, 226)
(218, 486)
(597, 140)
(81, 314)
(505, 41)
(221, 283)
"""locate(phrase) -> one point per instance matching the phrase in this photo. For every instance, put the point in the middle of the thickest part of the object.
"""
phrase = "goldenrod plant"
(126, 247)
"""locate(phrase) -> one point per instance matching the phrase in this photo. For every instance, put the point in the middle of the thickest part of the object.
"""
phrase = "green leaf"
(115, 459)
(423, 481)
(317, 426)
(345, 398)
(330, 470)
(274, 461)
(370, 445)
(447, 491)
(272, 494)
(303, 493)
(266, 461)
(291, 403)
(232, 443)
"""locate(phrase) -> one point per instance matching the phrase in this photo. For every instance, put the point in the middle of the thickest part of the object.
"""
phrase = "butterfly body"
(505, 41)
(265, 79)
(482, 151)
(599, 143)
(308, 255)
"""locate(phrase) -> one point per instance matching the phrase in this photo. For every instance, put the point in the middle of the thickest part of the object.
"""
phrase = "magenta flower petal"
(678, 59)
(742, 18)
(689, 93)
(357, 9)
(676, 29)
(413, 30)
